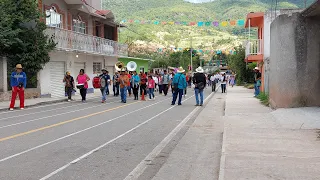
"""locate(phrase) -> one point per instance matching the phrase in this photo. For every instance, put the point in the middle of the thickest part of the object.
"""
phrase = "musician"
(115, 81)
(123, 81)
(135, 84)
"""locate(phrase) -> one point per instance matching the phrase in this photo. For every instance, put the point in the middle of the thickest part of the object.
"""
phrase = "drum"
(80, 86)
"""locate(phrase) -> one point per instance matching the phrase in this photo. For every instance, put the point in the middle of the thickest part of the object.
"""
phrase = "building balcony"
(254, 50)
(79, 42)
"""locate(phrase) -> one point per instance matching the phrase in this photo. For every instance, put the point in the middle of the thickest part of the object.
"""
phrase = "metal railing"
(254, 47)
(74, 41)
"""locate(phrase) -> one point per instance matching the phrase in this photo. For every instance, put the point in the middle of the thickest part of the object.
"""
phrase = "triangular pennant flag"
(163, 23)
(171, 23)
(130, 21)
(241, 22)
(200, 24)
(192, 23)
(137, 21)
(208, 23)
(224, 23)
(215, 23)
(232, 22)
(156, 22)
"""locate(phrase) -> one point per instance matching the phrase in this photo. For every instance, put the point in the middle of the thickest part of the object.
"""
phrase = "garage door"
(78, 66)
(57, 72)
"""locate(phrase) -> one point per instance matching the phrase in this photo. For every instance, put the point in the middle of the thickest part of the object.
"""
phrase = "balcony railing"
(253, 47)
(74, 41)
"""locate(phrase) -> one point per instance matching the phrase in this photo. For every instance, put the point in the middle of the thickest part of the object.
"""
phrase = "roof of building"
(256, 19)
(312, 10)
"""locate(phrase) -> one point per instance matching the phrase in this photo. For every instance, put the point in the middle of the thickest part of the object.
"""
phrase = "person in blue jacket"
(179, 83)
(135, 80)
(18, 82)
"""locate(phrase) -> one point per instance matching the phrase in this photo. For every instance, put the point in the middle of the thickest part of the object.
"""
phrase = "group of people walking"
(125, 82)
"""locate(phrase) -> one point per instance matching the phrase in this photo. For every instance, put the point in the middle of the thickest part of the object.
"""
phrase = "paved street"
(88, 141)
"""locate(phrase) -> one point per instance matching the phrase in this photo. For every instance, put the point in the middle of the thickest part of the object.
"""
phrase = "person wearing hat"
(69, 84)
(199, 81)
(104, 84)
(179, 83)
(257, 81)
(18, 82)
(123, 80)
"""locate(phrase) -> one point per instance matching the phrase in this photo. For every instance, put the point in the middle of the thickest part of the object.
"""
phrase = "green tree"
(26, 41)
(237, 64)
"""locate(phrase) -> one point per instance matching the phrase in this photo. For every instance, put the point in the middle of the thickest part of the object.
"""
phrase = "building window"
(97, 67)
(142, 69)
(53, 18)
(79, 26)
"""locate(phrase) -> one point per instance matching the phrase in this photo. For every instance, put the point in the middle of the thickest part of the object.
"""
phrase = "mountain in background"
(150, 35)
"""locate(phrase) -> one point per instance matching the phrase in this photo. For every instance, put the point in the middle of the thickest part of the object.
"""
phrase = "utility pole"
(191, 55)
(305, 3)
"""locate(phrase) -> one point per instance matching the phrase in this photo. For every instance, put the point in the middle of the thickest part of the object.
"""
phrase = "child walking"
(151, 86)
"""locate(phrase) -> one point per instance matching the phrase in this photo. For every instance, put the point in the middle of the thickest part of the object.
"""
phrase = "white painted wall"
(70, 58)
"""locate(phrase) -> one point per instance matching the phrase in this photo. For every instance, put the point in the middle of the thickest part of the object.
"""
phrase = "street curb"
(223, 151)
(43, 103)
(38, 104)
(223, 154)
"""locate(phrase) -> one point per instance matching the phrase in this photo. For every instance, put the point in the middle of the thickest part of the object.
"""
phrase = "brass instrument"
(119, 66)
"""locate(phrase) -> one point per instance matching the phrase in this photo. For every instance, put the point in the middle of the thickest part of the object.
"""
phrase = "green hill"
(152, 35)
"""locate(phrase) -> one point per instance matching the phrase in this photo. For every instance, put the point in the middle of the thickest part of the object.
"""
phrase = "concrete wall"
(294, 62)
(3, 75)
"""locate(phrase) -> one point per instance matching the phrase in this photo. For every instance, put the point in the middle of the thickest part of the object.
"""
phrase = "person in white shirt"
(214, 80)
(156, 81)
(224, 81)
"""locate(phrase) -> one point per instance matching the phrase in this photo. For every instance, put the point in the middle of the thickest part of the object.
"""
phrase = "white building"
(86, 38)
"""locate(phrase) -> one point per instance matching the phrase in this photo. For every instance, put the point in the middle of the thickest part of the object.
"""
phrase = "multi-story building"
(258, 45)
(86, 37)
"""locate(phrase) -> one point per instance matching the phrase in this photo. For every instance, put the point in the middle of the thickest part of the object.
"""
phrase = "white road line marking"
(105, 144)
(140, 168)
(77, 132)
(11, 117)
(53, 104)
(24, 122)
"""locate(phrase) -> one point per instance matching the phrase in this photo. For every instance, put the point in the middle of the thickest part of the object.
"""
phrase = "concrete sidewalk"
(4, 105)
(261, 144)
(197, 155)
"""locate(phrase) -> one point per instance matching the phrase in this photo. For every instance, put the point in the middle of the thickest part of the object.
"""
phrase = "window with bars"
(53, 18)
(97, 66)
(79, 26)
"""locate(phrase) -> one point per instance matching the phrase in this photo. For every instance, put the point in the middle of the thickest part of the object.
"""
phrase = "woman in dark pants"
(82, 80)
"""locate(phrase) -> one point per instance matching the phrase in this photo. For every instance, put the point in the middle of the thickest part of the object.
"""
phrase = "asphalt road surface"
(74, 140)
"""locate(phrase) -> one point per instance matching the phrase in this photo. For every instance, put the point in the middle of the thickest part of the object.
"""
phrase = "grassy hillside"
(180, 10)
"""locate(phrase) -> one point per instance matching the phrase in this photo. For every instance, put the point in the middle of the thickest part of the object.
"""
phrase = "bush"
(264, 98)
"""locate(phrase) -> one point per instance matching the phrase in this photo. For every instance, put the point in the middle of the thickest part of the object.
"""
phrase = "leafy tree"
(237, 64)
(25, 41)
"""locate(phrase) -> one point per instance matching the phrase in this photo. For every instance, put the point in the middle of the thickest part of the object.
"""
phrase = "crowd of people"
(125, 83)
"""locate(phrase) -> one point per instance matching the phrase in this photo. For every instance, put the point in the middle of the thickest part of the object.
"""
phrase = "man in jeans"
(116, 84)
(257, 76)
(104, 84)
(199, 80)
(18, 81)
(165, 82)
(179, 83)
(123, 81)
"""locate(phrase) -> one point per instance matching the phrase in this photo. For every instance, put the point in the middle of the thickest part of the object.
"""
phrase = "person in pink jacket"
(151, 86)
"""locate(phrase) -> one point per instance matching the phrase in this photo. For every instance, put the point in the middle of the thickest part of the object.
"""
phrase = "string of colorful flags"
(239, 22)
(200, 51)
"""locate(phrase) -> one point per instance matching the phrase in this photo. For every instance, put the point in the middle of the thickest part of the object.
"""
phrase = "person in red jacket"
(129, 83)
